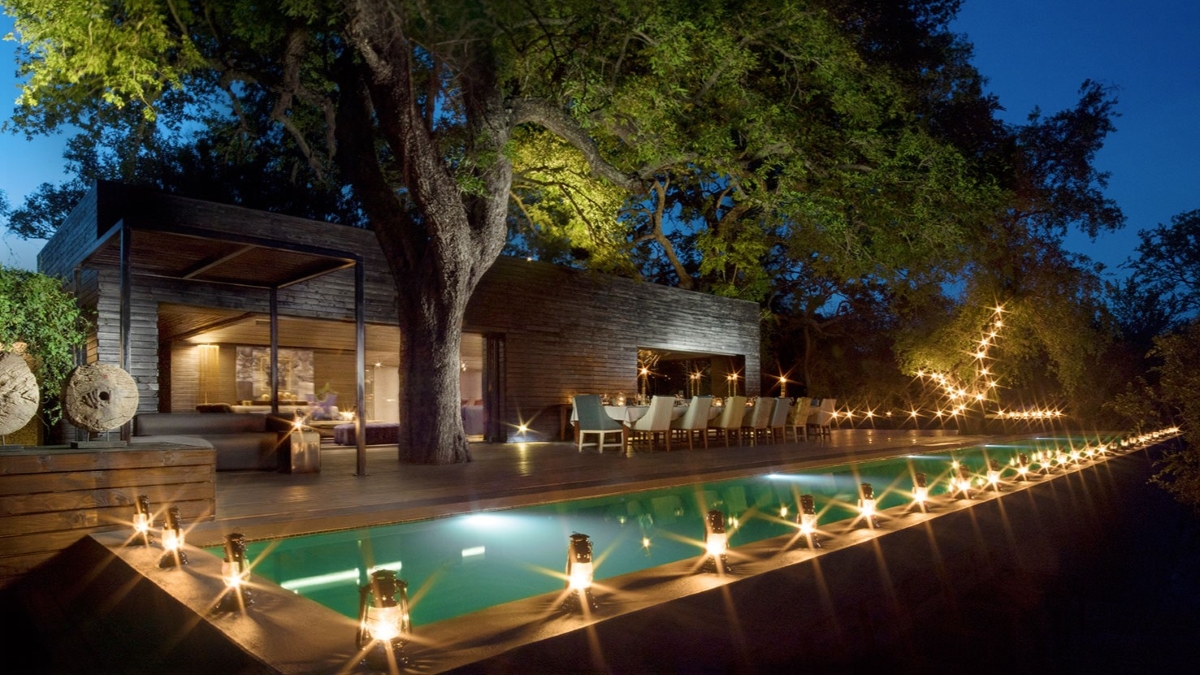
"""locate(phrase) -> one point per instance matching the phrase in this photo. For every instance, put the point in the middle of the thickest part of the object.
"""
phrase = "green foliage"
(1168, 261)
(1179, 469)
(35, 310)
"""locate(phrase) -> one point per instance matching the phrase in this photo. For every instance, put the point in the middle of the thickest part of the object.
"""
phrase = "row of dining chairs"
(767, 419)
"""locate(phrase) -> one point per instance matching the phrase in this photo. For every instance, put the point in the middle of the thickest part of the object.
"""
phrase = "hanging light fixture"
(580, 570)
(384, 623)
(172, 541)
(716, 544)
(141, 522)
(866, 504)
(920, 489)
(235, 570)
(807, 519)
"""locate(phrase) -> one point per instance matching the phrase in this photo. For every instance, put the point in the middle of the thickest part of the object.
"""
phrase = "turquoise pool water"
(461, 564)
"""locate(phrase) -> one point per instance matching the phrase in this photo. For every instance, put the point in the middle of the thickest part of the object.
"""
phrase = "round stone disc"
(99, 397)
(18, 393)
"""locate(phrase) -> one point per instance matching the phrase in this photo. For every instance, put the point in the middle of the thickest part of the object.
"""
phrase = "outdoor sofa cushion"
(242, 441)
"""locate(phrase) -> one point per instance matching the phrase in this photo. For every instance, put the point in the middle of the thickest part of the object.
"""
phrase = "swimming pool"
(461, 564)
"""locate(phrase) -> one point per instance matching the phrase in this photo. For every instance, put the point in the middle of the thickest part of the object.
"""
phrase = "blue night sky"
(1034, 53)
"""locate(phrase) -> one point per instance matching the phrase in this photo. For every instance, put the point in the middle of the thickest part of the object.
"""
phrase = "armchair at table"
(657, 420)
(695, 419)
(730, 421)
(821, 417)
(758, 417)
(779, 419)
(798, 419)
(592, 419)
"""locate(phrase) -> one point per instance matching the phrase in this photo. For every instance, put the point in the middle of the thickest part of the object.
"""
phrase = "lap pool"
(462, 564)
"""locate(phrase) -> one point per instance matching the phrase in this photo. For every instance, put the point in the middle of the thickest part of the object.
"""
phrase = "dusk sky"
(1035, 54)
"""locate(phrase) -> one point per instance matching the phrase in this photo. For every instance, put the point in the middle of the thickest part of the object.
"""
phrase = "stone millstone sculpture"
(18, 393)
(99, 397)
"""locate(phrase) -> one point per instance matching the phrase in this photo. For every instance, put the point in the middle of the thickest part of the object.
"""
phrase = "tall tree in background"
(760, 123)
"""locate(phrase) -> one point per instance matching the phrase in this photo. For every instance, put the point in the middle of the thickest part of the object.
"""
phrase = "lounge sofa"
(242, 441)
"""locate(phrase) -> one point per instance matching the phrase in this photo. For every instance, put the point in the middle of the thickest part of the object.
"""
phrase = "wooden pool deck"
(266, 505)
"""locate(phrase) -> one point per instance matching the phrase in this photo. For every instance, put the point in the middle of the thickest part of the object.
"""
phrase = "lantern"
(384, 624)
(866, 504)
(993, 474)
(807, 519)
(716, 543)
(580, 569)
(141, 522)
(920, 489)
(235, 569)
(172, 541)
(1022, 465)
(961, 481)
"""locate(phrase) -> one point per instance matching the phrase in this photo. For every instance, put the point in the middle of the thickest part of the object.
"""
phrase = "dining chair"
(730, 421)
(657, 420)
(779, 419)
(758, 417)
(695, 419)
(821, 417)
(591, 419)
(798, 419)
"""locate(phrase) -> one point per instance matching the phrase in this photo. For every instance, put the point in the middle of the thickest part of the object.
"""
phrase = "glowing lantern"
(141, 521)
(866, 504)
(580, 569)
(235, 569)
(993, 474)
(1022, 465)
(384, 624)
(807, 519)
(172, 541)
(716, 543)
(920, 489)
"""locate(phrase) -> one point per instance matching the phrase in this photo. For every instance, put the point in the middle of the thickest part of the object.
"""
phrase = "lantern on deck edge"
(172, 541)
(993, 474)
(1022, 465)
(580, 570)
(716, 543)
(866, 504)
(960, 480)
(235, 569)
(807, 519)
(920, 489)
(141, 522)
(384, 624)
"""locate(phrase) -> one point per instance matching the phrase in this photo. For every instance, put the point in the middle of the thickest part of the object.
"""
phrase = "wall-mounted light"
(580, 570)
(716, 543)
(807, 519)
(172, 541)
(235, 570)
(866, 504)
(384, 623)
(142, 522)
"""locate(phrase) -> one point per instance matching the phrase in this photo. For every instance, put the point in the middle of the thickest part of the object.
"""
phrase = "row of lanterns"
(385, 622)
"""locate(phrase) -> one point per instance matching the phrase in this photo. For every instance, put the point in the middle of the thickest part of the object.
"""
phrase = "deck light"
(716, 543)
(384, 624)
(580, 569)
(993, 474)
(920, 489)
(1022, 465)
(141, 522)
(866, 504)
(235, 569)
(172, 541)
(961, 480)
(807, 519)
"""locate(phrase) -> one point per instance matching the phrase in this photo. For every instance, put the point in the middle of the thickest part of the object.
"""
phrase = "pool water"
(461, 564)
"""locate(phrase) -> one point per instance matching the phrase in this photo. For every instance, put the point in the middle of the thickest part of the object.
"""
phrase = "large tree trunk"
(431, 429)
